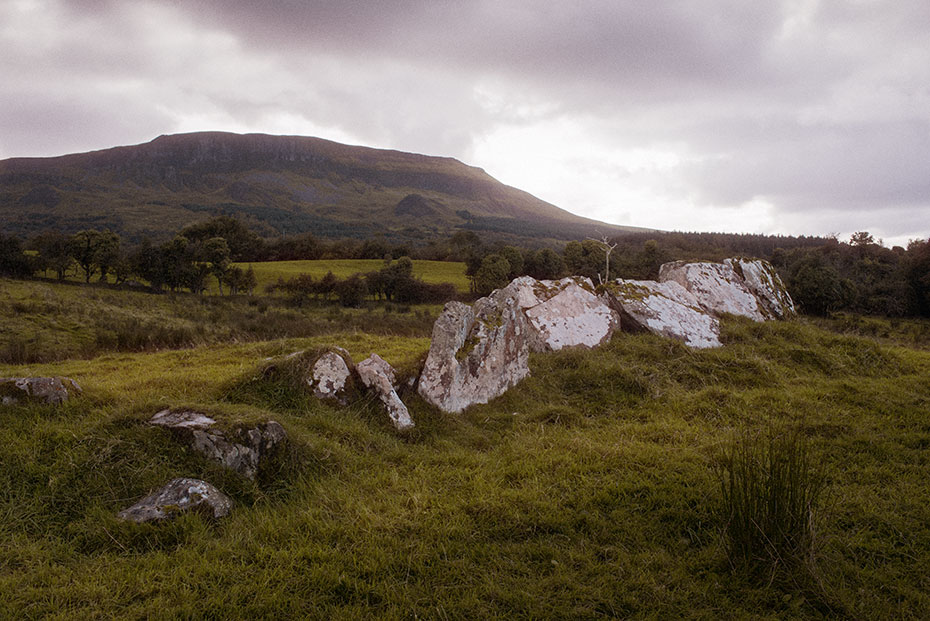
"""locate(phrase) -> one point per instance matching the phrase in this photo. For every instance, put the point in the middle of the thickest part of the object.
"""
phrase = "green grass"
(588, 491)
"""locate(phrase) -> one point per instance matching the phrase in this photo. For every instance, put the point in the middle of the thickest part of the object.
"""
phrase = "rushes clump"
(771, 488)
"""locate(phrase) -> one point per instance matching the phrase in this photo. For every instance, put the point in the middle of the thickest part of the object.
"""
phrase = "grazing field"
(430, 271)
(589, 491)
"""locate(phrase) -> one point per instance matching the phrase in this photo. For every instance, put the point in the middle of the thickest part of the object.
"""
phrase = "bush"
(770, 490)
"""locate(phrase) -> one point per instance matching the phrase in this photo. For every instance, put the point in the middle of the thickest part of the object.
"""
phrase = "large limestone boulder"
(179, 496)
(566, 313)
(717, 287)
(51, 390)
(247, 450)
(331, 376)
(664, 308)
(764, 282)
(479, 352)
(378, 376)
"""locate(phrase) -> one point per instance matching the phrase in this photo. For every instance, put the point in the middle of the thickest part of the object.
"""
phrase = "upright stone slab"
(331, 376)
(179, 496)
(665, 308)
(717, 287)
(764, 282)
(571, 315)
(50, 390)
(478, 352)
(376, 374)
(245, 451)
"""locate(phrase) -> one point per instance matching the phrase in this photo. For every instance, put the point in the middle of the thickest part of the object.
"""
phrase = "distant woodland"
(823, 274)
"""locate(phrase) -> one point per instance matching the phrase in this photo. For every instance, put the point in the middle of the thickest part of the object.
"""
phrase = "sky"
(784, 116)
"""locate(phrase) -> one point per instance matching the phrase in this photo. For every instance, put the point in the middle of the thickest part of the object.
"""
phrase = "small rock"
(51, 390)
(664, 308)
(245, 453)
(178, 496)
(330, 376)
(378, 376)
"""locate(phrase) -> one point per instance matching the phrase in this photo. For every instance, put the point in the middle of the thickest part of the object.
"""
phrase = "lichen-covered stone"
(330, 376)
(246, 450)
(50, 390)
(478, 352)
(179, 496)
(763, 281)
(717, 287)
(377, 375)
(572, 315)
(664, 308)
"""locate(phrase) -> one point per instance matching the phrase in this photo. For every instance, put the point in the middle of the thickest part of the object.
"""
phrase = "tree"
(13, 262)
(216, 254)
(53, 251)
(107, 254)
(84, 246)
(861, 238)
(492, 274)
(515, 259)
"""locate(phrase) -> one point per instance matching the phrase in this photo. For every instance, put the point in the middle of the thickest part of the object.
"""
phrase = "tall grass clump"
(771, 488)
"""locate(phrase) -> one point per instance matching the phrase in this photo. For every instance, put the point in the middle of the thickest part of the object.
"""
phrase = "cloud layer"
(799, 116)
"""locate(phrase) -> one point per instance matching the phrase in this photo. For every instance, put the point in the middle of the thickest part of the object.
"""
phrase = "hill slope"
(280, 184)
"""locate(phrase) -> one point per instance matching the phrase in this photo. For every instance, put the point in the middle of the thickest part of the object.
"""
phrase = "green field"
(589, 491)
(430, 271)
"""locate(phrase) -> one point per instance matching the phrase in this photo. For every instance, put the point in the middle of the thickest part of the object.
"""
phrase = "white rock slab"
(764, 282)
(376, 374)
(717, 287)
(179, 496)
(574, 316)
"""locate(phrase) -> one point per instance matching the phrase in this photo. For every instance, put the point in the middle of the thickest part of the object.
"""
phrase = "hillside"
(279, 184)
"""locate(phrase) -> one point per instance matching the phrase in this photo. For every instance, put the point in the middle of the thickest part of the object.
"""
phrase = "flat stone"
(664, 308)
(50, 390)
(179, 496)
(378, 376)
(717, 287)
(244, 451)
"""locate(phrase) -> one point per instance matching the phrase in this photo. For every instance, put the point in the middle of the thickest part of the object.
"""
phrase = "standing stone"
(572, 315)
(179, 496)
(665, 308)
(378, 376)
(764, 282)
(50, 390)
(477, 353)
(246, 452)
(717, 287)
(330, 376)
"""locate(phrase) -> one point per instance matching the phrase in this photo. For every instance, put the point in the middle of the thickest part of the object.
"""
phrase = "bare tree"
(608, 248)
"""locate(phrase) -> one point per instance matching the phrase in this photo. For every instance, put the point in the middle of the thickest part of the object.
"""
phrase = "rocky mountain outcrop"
(179, 496)
(247, 450)
(378, 376)
(665, 308)
(50, 390)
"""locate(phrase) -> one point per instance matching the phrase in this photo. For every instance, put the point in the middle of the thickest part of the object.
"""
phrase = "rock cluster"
(50, 390)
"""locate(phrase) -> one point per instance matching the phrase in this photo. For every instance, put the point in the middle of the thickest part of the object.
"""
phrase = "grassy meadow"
(589, 491)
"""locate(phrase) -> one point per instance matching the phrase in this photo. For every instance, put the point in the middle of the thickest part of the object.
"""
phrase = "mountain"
(279, 185)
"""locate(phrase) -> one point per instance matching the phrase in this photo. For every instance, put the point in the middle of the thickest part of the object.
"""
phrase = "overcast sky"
(791, 116)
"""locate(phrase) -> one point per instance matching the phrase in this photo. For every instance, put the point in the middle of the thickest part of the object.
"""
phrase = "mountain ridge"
(279, 185)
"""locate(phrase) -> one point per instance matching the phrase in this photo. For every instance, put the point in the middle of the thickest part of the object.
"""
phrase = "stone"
(477, 353)
(572, 315)
(717, 287)
(245, 451)
(50, 390)
(179, 496)
(764, 282)
(664, 308)
(378, 376)
(330, 376)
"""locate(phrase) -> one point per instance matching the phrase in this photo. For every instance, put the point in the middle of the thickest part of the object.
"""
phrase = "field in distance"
(430, 271)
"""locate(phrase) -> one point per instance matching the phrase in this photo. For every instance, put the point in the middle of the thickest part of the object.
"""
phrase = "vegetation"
(589, 490)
